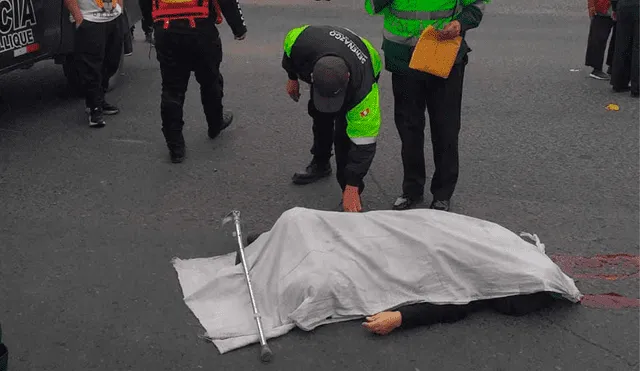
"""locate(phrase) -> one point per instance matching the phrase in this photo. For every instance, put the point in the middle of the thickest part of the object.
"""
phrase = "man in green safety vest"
(343, 70)
(415, 91)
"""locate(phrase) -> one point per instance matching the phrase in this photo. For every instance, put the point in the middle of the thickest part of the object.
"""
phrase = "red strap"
(216, 5)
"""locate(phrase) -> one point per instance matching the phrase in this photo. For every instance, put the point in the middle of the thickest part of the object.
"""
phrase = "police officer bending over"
(343, 71)
(415, 91)
(187, 39)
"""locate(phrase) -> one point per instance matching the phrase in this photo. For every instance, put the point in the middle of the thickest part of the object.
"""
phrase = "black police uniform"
(626, 62)
(181, 49)
(352, 161)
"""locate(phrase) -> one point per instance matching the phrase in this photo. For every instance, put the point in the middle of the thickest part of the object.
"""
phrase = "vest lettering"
(362, 57)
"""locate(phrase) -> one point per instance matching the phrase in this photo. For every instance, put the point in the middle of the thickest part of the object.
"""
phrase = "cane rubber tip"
(266, 354)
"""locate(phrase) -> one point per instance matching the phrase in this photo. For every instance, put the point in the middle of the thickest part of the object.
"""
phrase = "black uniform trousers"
(147, 23)
(180, 52)
(331, 129)
(443, 100)
(625, 59)
(97, 49)
(599, 30)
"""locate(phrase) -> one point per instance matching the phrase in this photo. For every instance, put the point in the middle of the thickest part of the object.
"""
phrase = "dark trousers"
(625, 59)
(443, 100)
(147, 23)
(179, 53)
(331, 130)
(599, 30)
(424, 314)
(98, 47)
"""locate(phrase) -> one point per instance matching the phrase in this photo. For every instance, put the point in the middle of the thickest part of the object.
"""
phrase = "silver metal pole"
(265, 352)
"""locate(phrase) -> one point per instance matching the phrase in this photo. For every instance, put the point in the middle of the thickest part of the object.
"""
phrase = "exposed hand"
(351, 199)
(293, 89)
(614, 16)
(78, 20)
(241, 37)
(383, 323)
(450, 31)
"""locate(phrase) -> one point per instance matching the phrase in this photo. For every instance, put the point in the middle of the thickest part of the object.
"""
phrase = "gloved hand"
(351, 199)
(383, 322)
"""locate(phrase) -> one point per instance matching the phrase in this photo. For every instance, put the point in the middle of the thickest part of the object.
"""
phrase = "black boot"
(406, 202)
(442, 205)
(227, 119)
(316, 170)
(177, 154)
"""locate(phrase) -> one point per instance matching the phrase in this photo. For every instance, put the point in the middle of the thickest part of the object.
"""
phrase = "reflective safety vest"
(171, 10)
(404, 20)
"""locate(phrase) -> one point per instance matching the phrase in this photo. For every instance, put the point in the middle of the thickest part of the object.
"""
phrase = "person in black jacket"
(343, 70)
(147, 21)
(181, 49)
(626, 65)
(424, 314)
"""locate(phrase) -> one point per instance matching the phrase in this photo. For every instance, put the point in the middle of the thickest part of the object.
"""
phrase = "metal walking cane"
(265, 352)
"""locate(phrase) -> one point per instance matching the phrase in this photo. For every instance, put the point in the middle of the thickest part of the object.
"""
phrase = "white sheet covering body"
(317, 267)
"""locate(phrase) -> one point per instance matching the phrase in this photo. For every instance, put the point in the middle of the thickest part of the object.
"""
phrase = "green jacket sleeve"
(289, 40)
(363, 126)
(471, 14)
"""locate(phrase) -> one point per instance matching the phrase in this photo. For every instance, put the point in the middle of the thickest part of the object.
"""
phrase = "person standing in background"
(599, 30)
(415, 92)
(626, 65)
(98, 46)
(187, 39)
(147, 21)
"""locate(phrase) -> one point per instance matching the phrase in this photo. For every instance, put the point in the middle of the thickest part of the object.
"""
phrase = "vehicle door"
(29, 31)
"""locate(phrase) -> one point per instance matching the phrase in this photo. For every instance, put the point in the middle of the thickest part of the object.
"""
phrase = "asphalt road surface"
(91, 218)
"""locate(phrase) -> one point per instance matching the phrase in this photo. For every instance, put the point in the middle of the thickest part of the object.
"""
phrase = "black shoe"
(177, 155)
(598, 75)
(109, 109)
(315, 170)
(635, 94)
(96, 119)
(621, 90)
(405, 202)
(443, 205)
(227, 119)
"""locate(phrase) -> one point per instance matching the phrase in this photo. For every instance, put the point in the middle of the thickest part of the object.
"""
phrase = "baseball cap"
(330, 81)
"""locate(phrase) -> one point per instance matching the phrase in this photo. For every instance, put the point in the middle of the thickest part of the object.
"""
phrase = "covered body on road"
(318, 267)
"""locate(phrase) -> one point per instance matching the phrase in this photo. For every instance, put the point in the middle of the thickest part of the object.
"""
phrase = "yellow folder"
(434, 56)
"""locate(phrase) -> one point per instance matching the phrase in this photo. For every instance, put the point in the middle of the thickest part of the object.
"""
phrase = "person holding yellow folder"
(426, 52)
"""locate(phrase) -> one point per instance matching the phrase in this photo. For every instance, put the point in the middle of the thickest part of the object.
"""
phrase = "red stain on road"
(609, 301)
(607, 267)
(610, 267)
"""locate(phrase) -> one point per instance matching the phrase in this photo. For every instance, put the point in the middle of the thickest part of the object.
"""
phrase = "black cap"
(330, 81)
